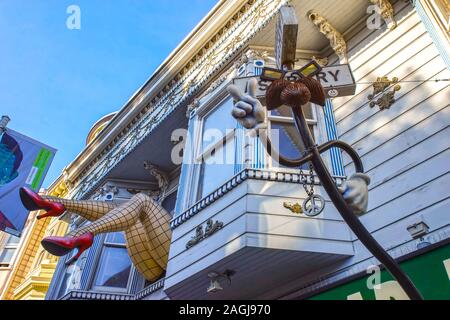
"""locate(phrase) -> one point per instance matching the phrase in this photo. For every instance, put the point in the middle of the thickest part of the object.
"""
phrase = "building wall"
(404, 149)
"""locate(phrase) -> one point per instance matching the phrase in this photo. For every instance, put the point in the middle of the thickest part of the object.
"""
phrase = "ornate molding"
(200, 234)
(294, 207)
(254, 15)
(337, 41)
(321, 61)
(105, 190)
(380, 87)
(386, 12)
(191, 107)
(155, 286)
(162, 178)
(91, 295)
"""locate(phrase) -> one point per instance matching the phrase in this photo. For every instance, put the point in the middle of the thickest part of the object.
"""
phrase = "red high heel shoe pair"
(57, 246)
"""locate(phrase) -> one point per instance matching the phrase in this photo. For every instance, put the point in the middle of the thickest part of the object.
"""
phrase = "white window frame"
(209, 106)
(319, 133)
(9, 246)
(95, 270)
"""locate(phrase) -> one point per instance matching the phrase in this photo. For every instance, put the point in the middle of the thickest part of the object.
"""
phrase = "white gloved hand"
(247, 110)
(356, 193)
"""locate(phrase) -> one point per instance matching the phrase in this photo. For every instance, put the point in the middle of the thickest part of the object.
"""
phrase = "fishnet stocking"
(146, 225)
(90, 210)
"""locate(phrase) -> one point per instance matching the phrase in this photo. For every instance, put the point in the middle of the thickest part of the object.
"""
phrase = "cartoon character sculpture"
(351, 198)
(249, 111)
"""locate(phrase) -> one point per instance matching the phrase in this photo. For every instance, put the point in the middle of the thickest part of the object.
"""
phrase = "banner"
(23, 162)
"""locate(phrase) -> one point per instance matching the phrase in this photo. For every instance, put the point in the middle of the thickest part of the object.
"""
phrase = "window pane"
(114, 268)
(115, 237)
(6, 256)
(285, 111)
(217, 169)
(217, 122)
(286, 140)
(13, 240)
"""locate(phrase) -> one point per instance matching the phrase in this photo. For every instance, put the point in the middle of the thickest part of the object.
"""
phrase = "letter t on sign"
(286, 38)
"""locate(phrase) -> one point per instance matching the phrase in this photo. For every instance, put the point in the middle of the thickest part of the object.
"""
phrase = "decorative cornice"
(337, 41)
(245, 174)
(253, 16)
(92, 295)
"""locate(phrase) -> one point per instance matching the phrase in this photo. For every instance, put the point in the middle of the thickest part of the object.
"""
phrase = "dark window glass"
(169, 202)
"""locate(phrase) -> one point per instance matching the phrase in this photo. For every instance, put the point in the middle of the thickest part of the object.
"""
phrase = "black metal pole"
(347, 214)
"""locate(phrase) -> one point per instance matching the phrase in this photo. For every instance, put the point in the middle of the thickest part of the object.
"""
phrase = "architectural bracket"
(337, 41)
(162, 178)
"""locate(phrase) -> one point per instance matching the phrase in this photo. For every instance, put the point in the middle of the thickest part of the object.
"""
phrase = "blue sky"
(55, 83)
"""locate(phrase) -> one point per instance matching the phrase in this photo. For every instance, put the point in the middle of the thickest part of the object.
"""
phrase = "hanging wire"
(411, 81)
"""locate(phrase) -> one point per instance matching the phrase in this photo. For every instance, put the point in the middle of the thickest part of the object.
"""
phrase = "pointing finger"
(252, 85)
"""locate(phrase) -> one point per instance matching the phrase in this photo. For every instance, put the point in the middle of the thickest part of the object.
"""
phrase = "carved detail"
(197, 238)
(336, 39)
(388, 98)
(295, 208)
(386, 12)
(321, 61)
(161, 177)
(194, 105)
(210, 228)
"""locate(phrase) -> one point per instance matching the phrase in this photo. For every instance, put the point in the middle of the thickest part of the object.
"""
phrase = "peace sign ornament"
(313, 205)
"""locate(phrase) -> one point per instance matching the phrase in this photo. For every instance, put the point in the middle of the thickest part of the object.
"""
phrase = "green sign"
(430, 272)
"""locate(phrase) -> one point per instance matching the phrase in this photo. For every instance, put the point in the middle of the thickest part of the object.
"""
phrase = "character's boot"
(32, 201)
(60, 246)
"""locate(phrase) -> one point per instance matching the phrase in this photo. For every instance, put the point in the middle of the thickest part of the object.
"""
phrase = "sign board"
(336, 80)
(286, 37)
(23, 162)
(429, 271)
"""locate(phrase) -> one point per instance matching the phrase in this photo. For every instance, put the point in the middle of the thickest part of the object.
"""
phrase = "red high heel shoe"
(32, 201)
(59, 246)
